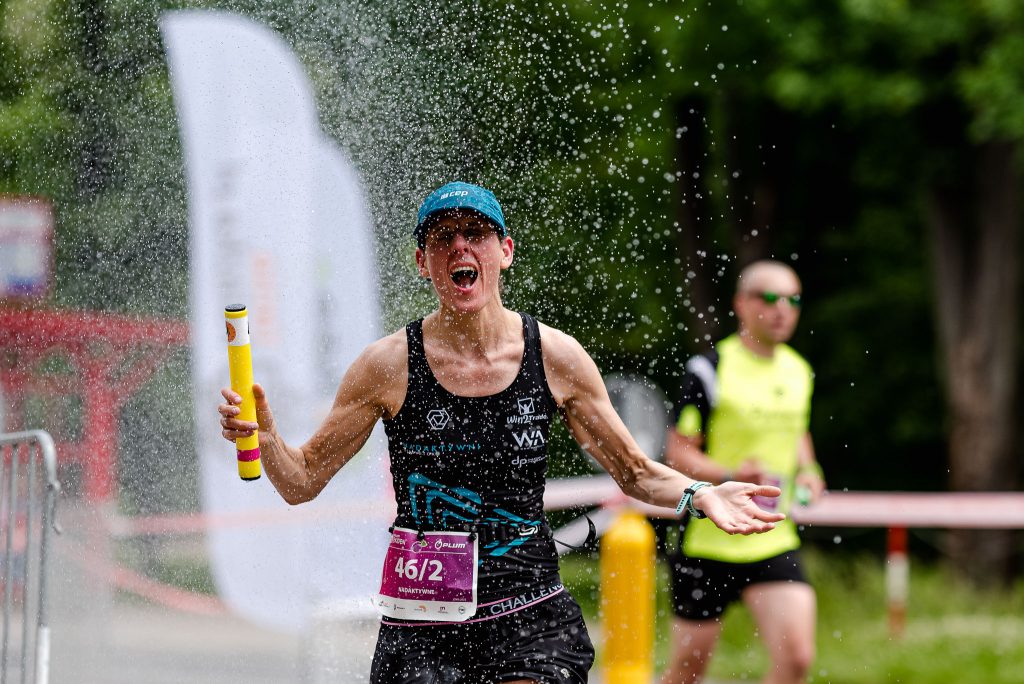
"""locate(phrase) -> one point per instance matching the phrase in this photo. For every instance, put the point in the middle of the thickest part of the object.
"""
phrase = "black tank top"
(462, 463)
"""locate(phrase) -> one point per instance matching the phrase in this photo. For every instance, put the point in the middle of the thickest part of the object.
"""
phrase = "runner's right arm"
(373, 387)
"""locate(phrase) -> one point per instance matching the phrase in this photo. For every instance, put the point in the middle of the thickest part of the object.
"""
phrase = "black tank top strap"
(533, 358)
(531, 335)
(419, 370)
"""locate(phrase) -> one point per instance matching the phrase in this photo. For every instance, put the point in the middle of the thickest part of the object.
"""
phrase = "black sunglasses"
(773, 298)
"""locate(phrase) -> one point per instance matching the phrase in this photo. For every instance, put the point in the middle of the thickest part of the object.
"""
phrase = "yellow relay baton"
(236, 319)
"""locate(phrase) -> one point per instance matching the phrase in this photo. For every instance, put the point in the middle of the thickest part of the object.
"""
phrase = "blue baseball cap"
(459, 195)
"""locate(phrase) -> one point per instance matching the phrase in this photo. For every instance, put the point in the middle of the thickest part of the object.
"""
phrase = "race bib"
(769, 503)
(429, 576)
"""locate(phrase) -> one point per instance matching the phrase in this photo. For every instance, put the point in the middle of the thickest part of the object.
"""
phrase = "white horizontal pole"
(970, 510)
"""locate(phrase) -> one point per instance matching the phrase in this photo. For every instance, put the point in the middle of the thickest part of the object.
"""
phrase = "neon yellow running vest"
(753, 407)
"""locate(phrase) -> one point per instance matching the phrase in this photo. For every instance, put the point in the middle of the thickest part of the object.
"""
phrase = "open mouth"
(464, 276)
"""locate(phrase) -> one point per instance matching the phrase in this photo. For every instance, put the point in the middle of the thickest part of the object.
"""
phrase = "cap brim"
(433, 217)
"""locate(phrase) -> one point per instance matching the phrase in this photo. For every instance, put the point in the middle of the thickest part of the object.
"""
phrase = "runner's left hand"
(730, 505)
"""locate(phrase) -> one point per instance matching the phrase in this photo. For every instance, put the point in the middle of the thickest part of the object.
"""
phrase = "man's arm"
(685, 454)
(809, 473)
(580, 393)
(373, 387)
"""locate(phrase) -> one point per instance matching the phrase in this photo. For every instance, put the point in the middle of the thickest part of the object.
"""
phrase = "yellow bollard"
(627, 600)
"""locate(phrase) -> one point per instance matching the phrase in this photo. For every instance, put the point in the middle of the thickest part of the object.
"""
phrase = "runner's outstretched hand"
(233, 428)
(730, 505)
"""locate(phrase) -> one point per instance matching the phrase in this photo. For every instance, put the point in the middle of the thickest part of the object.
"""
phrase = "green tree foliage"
(653, 110)
(643, 150)
(86, 120)
(35, 122)
(713, 133)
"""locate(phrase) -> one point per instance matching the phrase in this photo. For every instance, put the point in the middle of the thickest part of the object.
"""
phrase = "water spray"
(236, 319)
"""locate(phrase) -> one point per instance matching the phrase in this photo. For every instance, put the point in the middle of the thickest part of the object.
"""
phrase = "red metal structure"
(100, 358)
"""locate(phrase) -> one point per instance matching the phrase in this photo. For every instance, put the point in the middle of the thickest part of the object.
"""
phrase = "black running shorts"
(546, 642)
(702, 588)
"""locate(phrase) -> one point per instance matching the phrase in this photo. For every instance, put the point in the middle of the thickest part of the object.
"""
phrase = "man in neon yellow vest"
(743, 415)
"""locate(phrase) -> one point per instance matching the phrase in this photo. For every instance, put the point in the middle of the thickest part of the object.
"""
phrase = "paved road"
(105, 637)
(144, 644)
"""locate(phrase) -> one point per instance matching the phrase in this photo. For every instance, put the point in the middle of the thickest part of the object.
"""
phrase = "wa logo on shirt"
(531, 438)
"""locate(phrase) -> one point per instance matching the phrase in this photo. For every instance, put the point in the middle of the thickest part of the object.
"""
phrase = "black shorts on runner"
(703, 588)
(546, 642)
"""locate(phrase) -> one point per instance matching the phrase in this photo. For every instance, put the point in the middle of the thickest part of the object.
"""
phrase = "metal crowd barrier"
(28, 498)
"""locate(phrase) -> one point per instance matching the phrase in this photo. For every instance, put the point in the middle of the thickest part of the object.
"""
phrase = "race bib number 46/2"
(429, 576)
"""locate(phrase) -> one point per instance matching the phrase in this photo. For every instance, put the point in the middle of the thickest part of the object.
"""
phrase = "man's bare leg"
(693, 642)
(785, 614)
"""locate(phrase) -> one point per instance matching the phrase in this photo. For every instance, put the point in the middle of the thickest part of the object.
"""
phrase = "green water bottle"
(803, 495)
